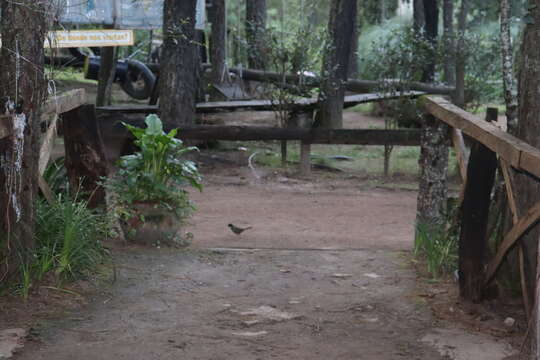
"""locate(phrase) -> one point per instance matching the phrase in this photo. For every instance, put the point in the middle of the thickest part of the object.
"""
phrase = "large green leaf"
(154, 125)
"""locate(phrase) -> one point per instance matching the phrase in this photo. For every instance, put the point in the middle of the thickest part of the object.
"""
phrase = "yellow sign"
(89, 38)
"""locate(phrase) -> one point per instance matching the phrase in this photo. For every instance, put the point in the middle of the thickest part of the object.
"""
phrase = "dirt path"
(280, 303)
(302, 217)
(172, 305)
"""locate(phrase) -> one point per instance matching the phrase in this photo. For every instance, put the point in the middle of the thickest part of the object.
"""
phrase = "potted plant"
(149, 189)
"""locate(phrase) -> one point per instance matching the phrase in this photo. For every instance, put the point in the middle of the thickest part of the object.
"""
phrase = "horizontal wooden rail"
(60, 104)
(263, 105)
(64, 102)
(313, 136)
(520, 155)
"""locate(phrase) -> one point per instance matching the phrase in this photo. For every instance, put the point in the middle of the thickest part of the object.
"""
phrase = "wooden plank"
(461, 153)
(64, 102)
(85, 159)
(474, 219)
(46, 190)
(47, 145)
(262, 105)
(305, 158)
(505, 169)
(314, 136)
(517, 153)
(531, 218)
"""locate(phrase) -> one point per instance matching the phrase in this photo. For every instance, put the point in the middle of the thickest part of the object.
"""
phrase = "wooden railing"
(50, 113)
(490, 144)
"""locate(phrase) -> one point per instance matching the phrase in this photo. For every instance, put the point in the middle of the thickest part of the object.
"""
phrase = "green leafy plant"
(156, 175)
(68, 238)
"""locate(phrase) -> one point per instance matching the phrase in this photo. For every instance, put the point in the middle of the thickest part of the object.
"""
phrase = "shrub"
(156, 175)
(68, 238)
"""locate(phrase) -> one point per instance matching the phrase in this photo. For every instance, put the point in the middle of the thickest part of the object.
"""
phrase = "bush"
(68, 239)
(437, 248)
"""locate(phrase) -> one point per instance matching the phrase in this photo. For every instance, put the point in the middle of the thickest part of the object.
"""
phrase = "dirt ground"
(325, 273)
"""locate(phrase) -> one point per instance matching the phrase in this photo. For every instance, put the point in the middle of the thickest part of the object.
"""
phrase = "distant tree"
(218, 40)
(179, 75)
(255, 33)
(336, 62)
(419, 18)
(431, 13)
(377, 11)
(448, 28)
(459, 96)
(23, 28)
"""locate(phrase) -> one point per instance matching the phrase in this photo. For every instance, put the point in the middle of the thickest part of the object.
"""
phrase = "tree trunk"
(433, 162)
(510, 94)
(353, 62)
(179, 73)
(382, 11)
(459, 97)
(107, 72)
(448, 25)
(218, 41)
(527, 190)
(431, 13)
(419, 18)
(336, 62)
(255, 33)
(23, 32)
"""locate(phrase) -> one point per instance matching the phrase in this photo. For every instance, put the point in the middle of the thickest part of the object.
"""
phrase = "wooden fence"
(493, 148)
(65, 106)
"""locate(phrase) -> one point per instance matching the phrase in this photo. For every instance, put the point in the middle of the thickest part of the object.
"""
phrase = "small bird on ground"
(238, 230)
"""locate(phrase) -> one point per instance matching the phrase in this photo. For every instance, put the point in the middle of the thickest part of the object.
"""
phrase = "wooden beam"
(505, 169)
(474, 219)
(47, 145)
(461, 153)
(85, 159)
(262, 105)
(313, 136)
(531, 218)
(64, 102)
(305, 158)
(60, 104)
(354, 85)
(46, 190)
(517, 153)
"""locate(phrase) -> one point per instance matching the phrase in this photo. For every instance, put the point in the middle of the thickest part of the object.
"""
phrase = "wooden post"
(85, 157)
(474, 218)
(303, 119)
(305, 158)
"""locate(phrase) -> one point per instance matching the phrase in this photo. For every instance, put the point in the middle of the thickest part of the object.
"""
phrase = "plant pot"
(154, 226)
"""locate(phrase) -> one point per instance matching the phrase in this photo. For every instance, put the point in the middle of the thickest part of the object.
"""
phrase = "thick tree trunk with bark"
(431, 13)
(256, 33)
(23, 31)
(510, 93)
(353, 62)
(419, 17)
(448, 26)
(459, 97)
(528, 190)
(336, 62)
(433, 163)
(179, 73)
(218, 41)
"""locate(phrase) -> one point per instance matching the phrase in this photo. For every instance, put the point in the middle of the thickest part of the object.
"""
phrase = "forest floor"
(326, 272)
